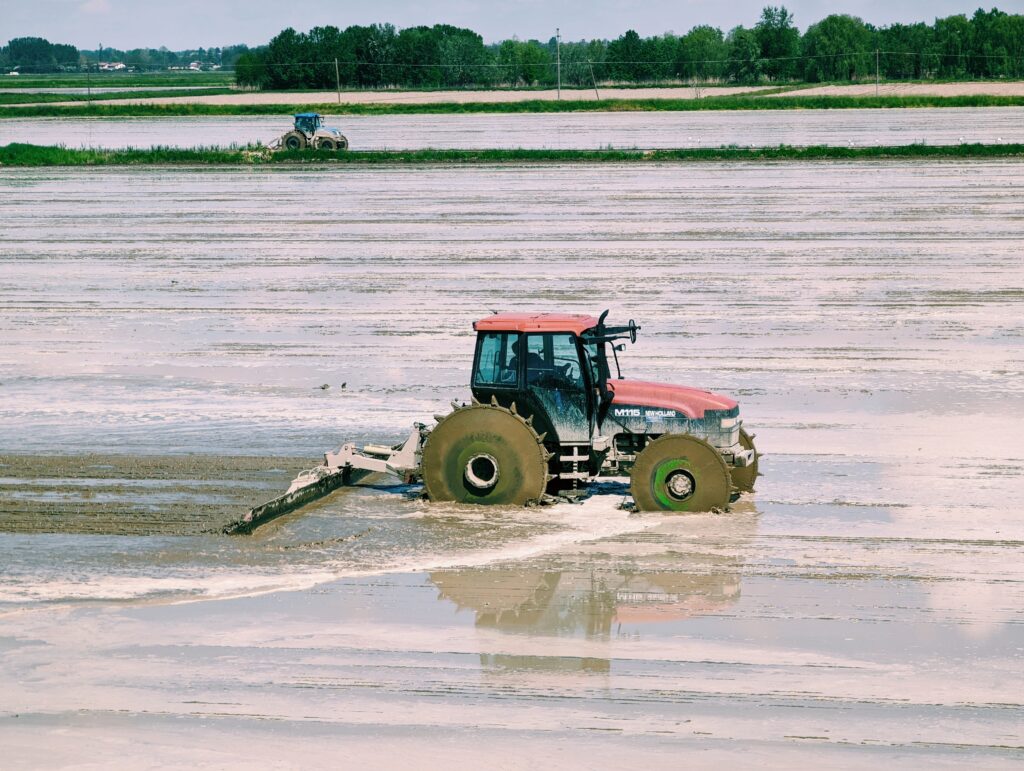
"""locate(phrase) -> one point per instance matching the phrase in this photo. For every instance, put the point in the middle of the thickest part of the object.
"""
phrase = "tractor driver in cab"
(535, 366)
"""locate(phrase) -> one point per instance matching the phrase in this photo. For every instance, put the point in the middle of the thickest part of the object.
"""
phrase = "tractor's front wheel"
(326, 143)
(743, 478)
(678, 472)
(342, 143)
(294, 140)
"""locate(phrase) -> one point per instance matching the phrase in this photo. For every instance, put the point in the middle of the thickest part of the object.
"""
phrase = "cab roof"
(536, 322)
(307, 115)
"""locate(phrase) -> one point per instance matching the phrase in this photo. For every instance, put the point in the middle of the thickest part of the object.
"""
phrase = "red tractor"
(546, 417)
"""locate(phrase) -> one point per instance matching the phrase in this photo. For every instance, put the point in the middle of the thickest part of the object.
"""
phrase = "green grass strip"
(531, 106)
(36, 155)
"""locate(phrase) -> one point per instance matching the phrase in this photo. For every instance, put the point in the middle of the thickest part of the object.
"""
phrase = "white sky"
(180, 24)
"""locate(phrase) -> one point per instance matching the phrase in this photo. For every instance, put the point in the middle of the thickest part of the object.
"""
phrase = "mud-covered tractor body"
(310, 132)
(557, 370)
(546, 418)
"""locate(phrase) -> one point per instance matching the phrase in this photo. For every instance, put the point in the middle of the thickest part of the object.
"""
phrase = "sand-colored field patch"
(435, 97)
(991, 88)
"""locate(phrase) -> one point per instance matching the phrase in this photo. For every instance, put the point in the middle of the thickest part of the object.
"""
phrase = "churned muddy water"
(165, 336)
(591, 130)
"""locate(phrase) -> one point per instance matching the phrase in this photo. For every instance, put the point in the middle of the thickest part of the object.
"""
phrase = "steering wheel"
(568, 372)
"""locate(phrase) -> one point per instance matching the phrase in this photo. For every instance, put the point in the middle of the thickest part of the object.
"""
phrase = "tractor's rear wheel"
(678, 472)
(294, 140)
(484, 454)
(743, 478)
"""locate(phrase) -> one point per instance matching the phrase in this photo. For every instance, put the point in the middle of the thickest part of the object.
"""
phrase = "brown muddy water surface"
(165, 334)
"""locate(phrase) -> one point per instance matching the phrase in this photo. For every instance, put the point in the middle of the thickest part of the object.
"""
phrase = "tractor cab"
(555, 367)
(308, 122)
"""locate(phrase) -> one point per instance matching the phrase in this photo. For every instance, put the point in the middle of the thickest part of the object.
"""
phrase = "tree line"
(34, 54)
(38, 55)
(989, 44)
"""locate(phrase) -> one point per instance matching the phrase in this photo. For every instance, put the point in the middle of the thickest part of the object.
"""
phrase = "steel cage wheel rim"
(483, 471)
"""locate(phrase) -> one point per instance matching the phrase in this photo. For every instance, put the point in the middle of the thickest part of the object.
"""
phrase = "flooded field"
(166, 336)
(648, 130)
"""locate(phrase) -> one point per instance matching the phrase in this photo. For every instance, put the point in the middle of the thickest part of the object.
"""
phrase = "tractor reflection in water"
(309, 132)
(611, 599)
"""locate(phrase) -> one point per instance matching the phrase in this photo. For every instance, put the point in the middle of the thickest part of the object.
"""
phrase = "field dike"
(28, 155)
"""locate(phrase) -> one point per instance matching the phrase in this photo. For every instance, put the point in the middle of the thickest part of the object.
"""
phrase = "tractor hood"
(692, 402)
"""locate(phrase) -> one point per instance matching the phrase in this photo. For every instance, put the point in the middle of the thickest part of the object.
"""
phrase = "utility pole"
(337, 80)
(876, 72)
(558, 59)
(593, 79)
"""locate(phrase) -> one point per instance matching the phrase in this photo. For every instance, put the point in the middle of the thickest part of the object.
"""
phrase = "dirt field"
(435, 97)
(1015, 88)
(136, 495)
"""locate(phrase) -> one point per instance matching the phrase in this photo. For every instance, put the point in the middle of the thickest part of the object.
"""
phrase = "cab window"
(553, 361)
(496, 360)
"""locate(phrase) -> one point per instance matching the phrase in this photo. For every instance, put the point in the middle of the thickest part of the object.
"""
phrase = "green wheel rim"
(671, 454)
(660, 484)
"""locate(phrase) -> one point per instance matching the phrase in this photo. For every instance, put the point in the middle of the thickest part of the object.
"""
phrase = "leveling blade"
(290, 501)
(346, 466)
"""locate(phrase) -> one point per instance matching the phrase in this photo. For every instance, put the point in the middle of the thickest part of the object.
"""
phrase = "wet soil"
(136, 495)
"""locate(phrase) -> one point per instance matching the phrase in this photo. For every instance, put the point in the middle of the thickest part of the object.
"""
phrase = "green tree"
(416, 54)
(953, 43)
(627, 58)
(524, 63)
(702, 53)
(839, 47)
(285, 61)
(745, 65)
(904, 47)
(463, 56)
(36, 54)
(780, 43)
(997, 49)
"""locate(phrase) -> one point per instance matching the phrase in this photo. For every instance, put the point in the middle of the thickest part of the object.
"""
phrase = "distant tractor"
(309, 131)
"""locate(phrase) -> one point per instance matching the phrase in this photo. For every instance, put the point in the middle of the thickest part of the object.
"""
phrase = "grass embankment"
(35, 97)
(531, 106)
(35, 155)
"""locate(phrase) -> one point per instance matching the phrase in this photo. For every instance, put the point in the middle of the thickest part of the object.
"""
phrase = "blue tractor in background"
(309, 131)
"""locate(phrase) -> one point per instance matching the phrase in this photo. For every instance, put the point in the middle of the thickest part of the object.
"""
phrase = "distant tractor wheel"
(326, 143)
(677, 472)
(294, 140)
(484, 454)
(743, 478)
